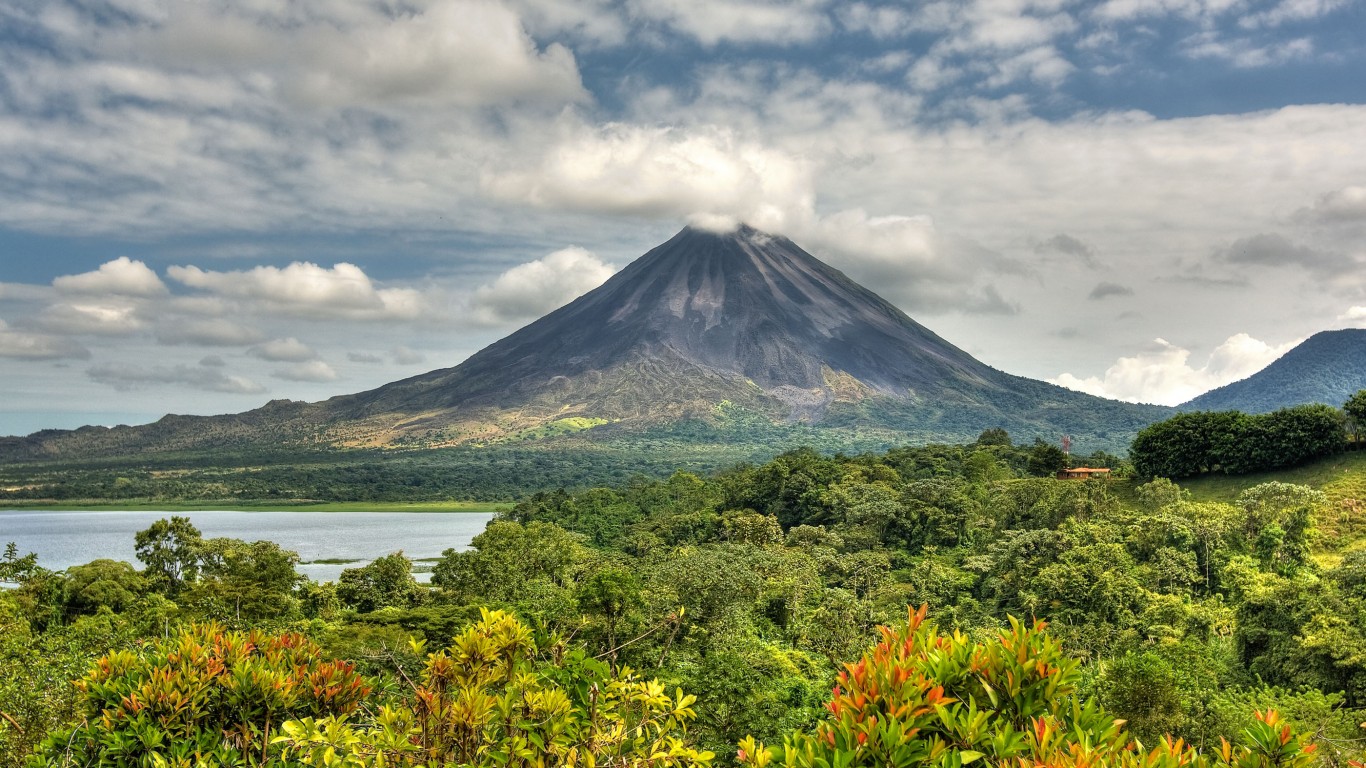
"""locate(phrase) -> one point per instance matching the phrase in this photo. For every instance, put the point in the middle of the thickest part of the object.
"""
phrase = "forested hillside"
(749, 590)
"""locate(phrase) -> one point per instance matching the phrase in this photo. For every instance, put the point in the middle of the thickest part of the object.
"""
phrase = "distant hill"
(741, 332)
(1328, 368)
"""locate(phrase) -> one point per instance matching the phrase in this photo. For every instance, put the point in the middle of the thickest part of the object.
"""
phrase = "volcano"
(704, 325)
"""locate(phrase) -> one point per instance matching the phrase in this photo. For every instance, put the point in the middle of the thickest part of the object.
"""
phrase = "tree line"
(1236, 443)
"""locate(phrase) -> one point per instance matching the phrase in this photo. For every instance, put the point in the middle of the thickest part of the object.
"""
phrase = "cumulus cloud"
(122, 276)
(22, 345)
(312, 371)
(212, 332)
(304, 289)
(530, 290)
(364, 357)
(596, 23)
(95, 317)
(1354, 316)
(212, 361)
(124, 377)
(454, 52)
(289, 350)
(653, 171)
(1164, 374)
(1106, 290)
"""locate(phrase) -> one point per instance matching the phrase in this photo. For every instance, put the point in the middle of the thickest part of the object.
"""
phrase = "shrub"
(922, 698)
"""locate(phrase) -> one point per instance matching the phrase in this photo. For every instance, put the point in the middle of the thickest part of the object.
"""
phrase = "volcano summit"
(702, 326)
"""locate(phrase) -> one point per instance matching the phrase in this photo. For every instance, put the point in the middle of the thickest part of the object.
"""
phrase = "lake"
(63, 539)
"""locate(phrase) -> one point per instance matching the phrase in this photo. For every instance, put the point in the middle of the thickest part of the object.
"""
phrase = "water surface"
(63, 539)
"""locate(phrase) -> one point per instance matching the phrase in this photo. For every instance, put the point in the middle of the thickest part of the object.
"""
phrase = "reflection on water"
(63, 539)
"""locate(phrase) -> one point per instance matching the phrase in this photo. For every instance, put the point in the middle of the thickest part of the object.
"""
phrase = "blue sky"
(207, 205)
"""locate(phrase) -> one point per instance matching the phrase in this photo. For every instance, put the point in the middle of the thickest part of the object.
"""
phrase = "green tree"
(245, 582)
(1355, 408)
(1045, 459)
(169, 550)
(109, 584)
(382, 583)
(509, 562)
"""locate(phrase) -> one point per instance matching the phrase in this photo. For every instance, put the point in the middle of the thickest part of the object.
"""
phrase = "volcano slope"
(729, 338)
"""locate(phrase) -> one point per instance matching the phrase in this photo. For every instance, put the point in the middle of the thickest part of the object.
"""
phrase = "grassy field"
(486, 507)
(1341, 477)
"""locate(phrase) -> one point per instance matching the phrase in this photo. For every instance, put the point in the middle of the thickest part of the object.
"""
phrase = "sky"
(208, 205)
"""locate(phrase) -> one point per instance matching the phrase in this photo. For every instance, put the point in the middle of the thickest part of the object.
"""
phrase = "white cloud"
(311, 371)
(780, 22)
(289, 350)
(909, 260)
(880, 21)
(122, 276)
(451, 52)
(1246, 54)
(21, 345)
(633, 169)
(530, 290)
(215, 332)
(1354, 317)
(594, 22)
(364, 357)
(1163, 373)
(93, 317)
(124, 377)
(305, 289)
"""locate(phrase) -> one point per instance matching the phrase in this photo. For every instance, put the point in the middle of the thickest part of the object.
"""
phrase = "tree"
(609, 595)
(103, 583)
(994, 436)
(1045, 459)
(245, 582)
(169, 550)
(508, 562)
(1355, 408)
(382, 583)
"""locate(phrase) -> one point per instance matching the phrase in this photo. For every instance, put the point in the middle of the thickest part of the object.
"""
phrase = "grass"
(1342, 478)
(238, 505)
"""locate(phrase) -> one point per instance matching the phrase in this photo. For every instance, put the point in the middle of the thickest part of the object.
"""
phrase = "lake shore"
(240, 505)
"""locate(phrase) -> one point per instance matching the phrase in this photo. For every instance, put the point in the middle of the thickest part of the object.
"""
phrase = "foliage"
(919, 697)
(385, 582)
(1236, 443)
(169, 550)
(499, 698)
(203, 695)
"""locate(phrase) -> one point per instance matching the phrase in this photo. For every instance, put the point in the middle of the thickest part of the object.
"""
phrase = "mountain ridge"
(745, 319)
(1328, 368)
